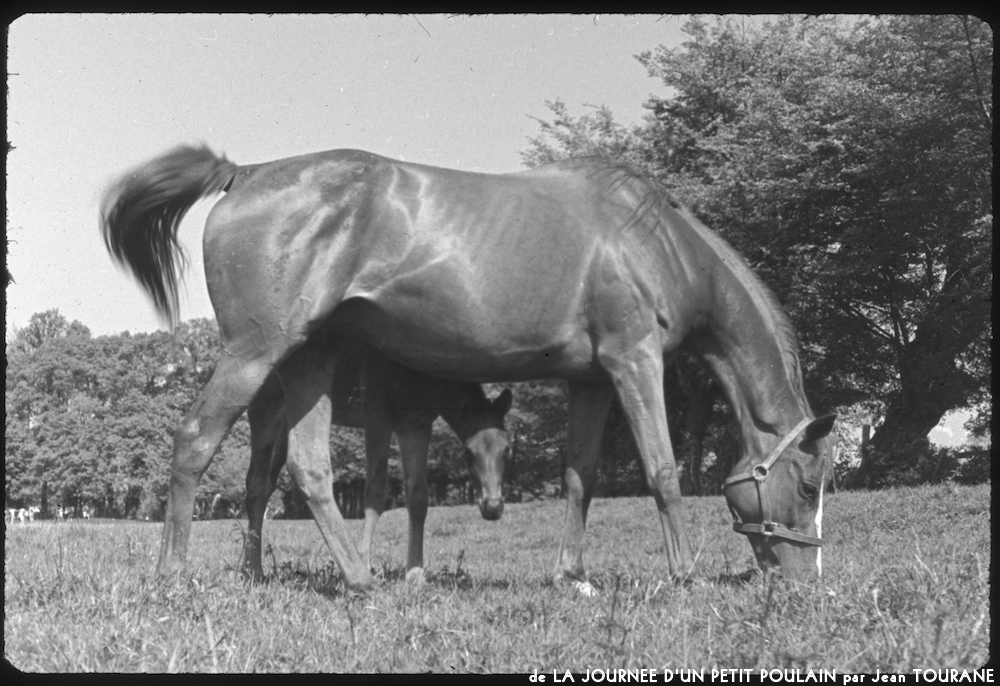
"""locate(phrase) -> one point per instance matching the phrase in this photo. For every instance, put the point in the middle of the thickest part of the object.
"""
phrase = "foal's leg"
(268, 452)
(588, 411)
(228, 393)
(378, 435)
(307, 377)
(413, 444)
(638, 378)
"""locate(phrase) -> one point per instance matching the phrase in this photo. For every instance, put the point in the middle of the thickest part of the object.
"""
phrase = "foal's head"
(479, 424)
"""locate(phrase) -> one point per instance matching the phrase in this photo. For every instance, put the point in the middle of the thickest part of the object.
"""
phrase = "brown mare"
(582, 270)
(394, 399)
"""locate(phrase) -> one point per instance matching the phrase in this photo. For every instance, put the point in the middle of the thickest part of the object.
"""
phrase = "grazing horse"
(583, 270)
(394, 399)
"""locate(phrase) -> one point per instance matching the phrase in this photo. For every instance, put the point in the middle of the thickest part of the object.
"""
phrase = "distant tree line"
(90, 421)
(850, 161)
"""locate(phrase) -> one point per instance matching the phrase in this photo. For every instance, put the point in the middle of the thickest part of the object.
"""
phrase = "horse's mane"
(652, 202)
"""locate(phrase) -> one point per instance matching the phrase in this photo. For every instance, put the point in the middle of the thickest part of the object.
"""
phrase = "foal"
(394, 399)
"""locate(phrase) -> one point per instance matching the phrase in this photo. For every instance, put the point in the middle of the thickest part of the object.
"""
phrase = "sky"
(92, 95)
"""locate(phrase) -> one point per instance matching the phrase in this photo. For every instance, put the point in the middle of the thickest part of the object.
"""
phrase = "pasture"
(906, 585)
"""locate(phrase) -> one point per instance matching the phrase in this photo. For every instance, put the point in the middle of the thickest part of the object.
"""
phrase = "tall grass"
(905, 586)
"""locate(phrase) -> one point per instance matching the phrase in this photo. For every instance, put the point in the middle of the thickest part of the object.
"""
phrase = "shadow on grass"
(736, 580)
(326, 580)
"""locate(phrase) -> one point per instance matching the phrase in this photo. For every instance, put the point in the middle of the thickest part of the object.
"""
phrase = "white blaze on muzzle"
(819, 531)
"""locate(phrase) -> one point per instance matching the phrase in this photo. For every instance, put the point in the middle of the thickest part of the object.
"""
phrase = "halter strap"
(758, 473)
(772, 457)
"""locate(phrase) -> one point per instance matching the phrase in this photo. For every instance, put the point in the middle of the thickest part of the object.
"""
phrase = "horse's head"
(777, 500)
(486, 444)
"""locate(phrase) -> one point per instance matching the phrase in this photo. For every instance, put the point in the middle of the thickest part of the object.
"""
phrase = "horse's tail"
(141, 212)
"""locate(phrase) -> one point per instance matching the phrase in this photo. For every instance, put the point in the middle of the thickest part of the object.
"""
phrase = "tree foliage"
(90, 421)
(851, 163)
(849, 160)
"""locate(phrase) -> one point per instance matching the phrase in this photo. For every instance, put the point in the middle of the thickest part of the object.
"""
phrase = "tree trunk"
(930, 386)
(696, 399)
(699, 417)
(440, 489)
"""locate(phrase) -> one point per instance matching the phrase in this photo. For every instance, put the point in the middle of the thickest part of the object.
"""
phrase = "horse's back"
(443, 268)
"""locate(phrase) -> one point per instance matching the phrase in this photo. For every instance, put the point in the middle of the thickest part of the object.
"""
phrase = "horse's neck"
(745, 346)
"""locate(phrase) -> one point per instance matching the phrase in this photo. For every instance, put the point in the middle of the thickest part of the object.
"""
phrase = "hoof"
(694, 582)
(582, 586)
(252, 575)
(363, 586)
(690, 580)
(170, 569)
(254, 578)
(359, 590)
(415, 576)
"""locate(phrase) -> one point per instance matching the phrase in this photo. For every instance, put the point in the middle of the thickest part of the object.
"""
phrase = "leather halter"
(768, 527)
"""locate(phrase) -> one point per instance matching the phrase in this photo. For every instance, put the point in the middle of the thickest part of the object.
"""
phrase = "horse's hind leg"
(268, 452)
(588, 411)
(227, 395)
(307, 377)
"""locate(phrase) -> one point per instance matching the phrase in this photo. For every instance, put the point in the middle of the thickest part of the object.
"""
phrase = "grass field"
(906, 584)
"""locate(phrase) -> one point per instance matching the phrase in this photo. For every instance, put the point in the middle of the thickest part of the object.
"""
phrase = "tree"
(90, 420)
(850, 162)
(43, 327)
(537, 425)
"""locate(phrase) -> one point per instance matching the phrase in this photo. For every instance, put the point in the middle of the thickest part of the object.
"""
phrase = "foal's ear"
(818, 428)
(503, 402)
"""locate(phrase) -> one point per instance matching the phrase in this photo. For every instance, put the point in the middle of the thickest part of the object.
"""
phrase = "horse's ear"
(503, 402)
(819, 428)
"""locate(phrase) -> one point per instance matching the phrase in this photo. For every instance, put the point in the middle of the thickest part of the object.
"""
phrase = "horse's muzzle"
(491, 508)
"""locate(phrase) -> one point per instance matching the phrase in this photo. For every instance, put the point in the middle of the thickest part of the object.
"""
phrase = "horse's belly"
(448, 337)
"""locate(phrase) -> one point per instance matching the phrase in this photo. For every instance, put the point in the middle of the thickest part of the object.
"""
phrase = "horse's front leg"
(638, 379)
(588, 412)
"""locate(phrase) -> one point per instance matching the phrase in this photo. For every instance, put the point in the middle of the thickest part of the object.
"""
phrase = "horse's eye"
(809, 491)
